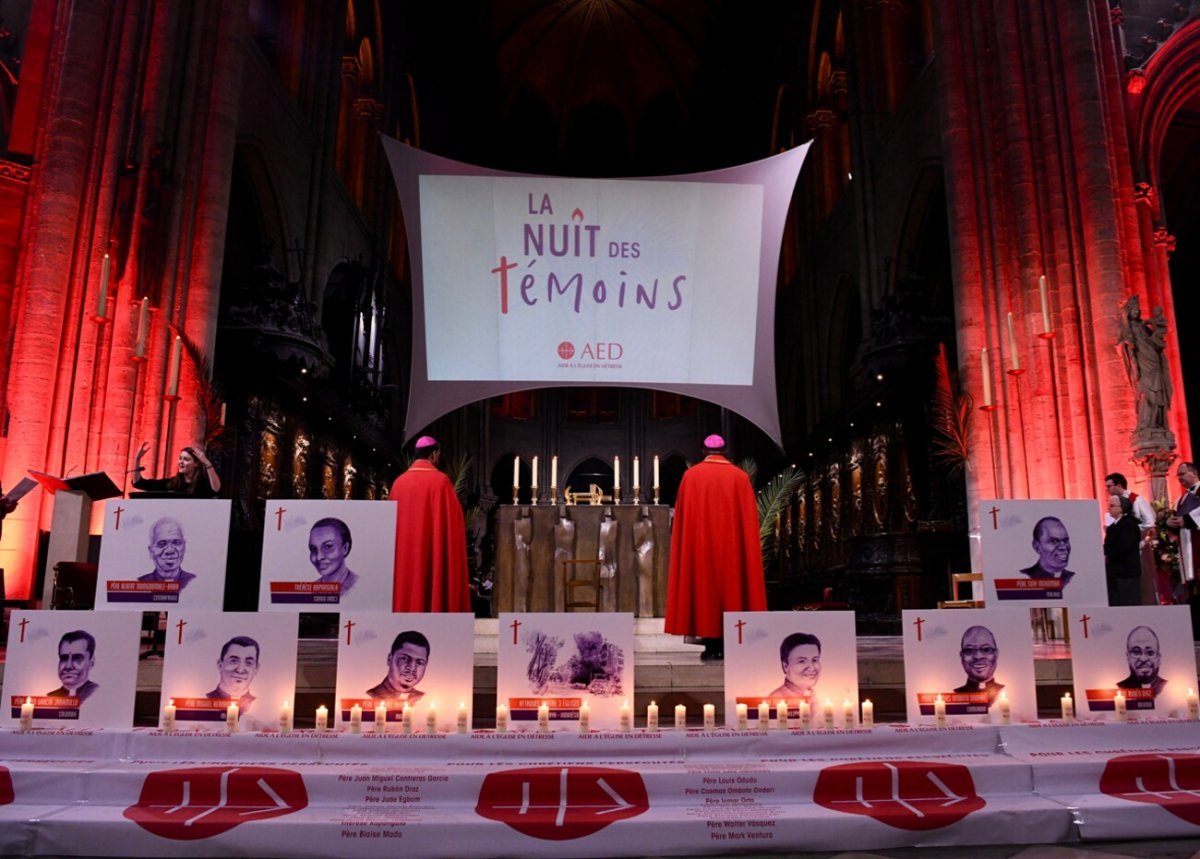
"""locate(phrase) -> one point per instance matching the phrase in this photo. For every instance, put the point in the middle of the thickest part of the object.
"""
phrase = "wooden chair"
(956, 600)
(575, 573)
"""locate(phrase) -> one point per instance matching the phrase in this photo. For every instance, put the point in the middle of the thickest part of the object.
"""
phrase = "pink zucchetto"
(426, 441)
(714, 442)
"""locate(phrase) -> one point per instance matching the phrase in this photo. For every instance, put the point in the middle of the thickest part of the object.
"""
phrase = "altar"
(630, 542)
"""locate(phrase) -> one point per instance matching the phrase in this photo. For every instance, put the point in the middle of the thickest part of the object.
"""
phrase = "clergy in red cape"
(716, 553)
(431, 539)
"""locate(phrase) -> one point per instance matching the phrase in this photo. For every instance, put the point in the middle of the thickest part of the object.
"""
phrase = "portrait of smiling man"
(979, 655)
(1053, 546)
(329, 545)
(406, 664)
(76, 659)
(167, 547)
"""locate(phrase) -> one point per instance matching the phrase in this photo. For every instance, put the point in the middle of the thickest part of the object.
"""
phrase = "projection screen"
(523, 281)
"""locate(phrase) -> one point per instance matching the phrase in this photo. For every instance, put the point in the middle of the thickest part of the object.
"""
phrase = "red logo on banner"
(1172, 781)
(561, 803)
(6, 788)
(189, 804)
(566, 350)
(911, 795)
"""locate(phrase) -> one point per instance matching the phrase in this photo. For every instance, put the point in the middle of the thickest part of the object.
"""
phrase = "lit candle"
(322, 721)
(463, 722)
(764, 716)
(356, 719)
(1045, 305)
(987, 378)
(285, 718)
(616, 474)
(868, 714)
(231, 718)
(222, 414)
(626, 717)
(516, 471)
(501, 718)
(1193, 705)
(1119, 707)
(431, 723)
(1005, 708)
(168, 720)
(173, 374)
(406, 718)
(939, 711)
(102, 302)
(827, 713)
(741, 717)
(381, 717)
(585, 717)
(656, 471)
(805, 715)
(1068, 707)
(543, 717)
(534, 468)
(139, 349)
(710, 717)
(636, 477)
(1014, 357)
(652, 717)
(680, 717)
(847, 714)
(781, 714)
(26, 715)
(554, 470)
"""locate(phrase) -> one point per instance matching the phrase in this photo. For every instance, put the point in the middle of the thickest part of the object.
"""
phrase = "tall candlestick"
(987, 378)
(501, 718)
(406, 718)
(356, 719)
(1005, 708)
(636, 477)
(616, 478)
(868, 714)
(26, 715)
(939, 711)
(516, 471)
(463, 721)
(173, 373)
(543, 718)
(431, 719)
(585, 717)
(102, 300)
(827, 714)
(534, 485)
(626, 718)
(1068, 707)
(1046, 329)
(231, 718)
(741, 717)
(322, 718)
(554, 470)
(1014, 356)
(652, 717)
(285, 718)
(168, 720)
(139, 349)
(710, 717)
(222, 423)
(680, 717)
(781, 714)
(381, 717)
(656, 471)
(1119, 707)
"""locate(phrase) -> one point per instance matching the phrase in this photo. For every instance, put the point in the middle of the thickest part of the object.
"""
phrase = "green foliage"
(772, 500)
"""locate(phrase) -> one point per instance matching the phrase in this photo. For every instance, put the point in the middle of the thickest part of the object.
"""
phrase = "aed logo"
(561, 803)
(1172, 781)
(912, 795)
(592, 351)
(200, 802)
(6, 786)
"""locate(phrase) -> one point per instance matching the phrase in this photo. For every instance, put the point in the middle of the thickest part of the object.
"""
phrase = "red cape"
(431, 543)
(716, 554)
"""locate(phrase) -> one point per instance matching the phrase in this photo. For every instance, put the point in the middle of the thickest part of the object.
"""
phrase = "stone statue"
(1142, 349)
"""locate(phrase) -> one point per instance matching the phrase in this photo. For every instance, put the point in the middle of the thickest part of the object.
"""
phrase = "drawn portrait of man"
(1144, 656)
(76, 659)
(329, 544)
(167, 547)
(237, 667)
(800, 659)
(406, 664)
(979, 655)
(1052, 544)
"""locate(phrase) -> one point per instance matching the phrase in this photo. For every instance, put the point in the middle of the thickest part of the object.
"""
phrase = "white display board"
(1042, 553)
(327, 555)
(213, 658)
(78, 668)
(1145, 653)
(424, 660)
(565, 660)
(163, 553)
(793, 656)
(970, 657)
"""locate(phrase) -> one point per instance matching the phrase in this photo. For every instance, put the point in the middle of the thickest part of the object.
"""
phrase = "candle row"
(1014, 354)
(554, 472)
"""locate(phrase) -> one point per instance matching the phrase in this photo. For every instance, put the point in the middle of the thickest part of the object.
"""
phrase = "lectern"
(73, 497)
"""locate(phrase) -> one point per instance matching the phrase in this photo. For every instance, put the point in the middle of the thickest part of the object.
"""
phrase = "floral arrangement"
(1164, 542)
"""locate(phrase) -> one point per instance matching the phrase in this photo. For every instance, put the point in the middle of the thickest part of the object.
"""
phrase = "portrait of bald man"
(1053, 546)
(1144, 656)
(980, 655)
(167, 547)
